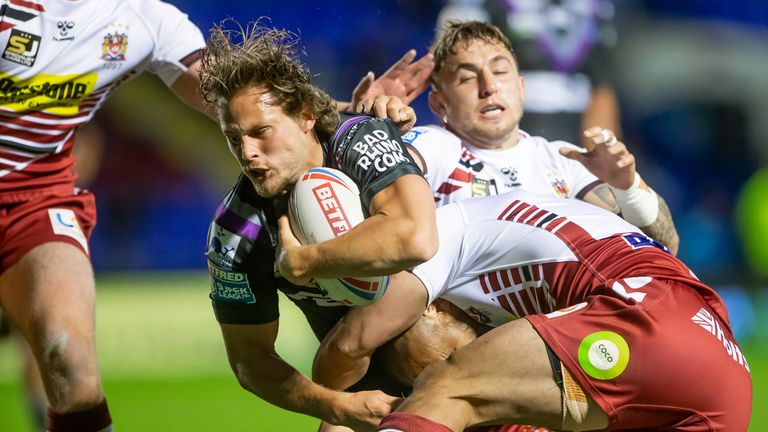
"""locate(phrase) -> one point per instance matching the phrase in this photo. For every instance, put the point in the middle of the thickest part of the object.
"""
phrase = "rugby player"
(60, 61)
(596, 326)
(480, 150)
(277, 126)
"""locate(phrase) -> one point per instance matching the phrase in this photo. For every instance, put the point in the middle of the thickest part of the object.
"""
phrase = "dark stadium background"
(694, 94)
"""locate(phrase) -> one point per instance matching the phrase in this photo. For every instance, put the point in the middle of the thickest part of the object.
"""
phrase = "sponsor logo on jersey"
(637, 241)
(411, 136)
(115, 44)
(55, 94)
(379, 151)
(22, 48)
(64, 222)
(334, 214)
(566, 310)
(65, 28)
(230, 286)
(511, 174)
(604, 355)
(708, 322)
(482, 187)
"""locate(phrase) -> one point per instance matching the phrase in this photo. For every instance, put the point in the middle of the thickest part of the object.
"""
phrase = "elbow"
(243, 376)
(349, 349)
(419, 246)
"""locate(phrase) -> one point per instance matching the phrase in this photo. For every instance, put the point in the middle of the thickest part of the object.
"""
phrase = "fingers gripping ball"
(324, 204)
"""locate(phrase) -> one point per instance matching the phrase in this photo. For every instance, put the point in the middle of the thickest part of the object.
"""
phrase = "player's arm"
(400, 232)
(187, 88)
(260, 370)
(345, 353)
(624, 192)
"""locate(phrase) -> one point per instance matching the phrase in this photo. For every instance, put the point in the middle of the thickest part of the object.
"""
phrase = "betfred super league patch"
(22, 48)
(229, 285)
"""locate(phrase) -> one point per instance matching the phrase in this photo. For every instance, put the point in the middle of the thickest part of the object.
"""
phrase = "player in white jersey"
(59, 61)
(606, 311)
(478, 93)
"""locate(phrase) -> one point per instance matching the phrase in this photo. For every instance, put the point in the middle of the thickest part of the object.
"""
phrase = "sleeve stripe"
(191, 57)
(587, 188)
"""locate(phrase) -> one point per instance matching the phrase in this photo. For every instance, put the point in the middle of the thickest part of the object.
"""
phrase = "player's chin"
(268, 189)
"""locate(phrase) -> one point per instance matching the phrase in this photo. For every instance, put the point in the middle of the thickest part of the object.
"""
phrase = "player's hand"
(363, 411)
(287, 264)
(405, 79)
(390, 107)
(606, 157)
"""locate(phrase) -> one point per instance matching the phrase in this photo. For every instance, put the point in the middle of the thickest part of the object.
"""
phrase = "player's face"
(480, 94)
(273, 148)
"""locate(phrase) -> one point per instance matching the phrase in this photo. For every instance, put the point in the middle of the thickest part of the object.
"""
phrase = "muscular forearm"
(380, 245)
(278, 383)
(663, 229)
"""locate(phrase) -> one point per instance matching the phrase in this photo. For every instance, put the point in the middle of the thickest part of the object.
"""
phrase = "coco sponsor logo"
(379, 151)
(604, 355)
(329, 204)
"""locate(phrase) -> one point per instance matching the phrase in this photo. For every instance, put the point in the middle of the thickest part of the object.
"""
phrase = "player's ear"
(435, 100)
(307, 121)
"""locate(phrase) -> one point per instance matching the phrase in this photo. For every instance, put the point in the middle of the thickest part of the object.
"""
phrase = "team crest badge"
(114, 46)
(561, 188)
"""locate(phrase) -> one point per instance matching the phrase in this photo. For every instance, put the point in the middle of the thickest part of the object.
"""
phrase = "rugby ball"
(324, 204)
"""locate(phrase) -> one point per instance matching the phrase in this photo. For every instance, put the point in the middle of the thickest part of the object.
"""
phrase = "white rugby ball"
(324, 204)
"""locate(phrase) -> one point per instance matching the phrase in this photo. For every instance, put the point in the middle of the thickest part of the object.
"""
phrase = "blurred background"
(691, 83)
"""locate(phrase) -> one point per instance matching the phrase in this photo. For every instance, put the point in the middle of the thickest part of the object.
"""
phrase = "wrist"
(335, 408)
(638, 206)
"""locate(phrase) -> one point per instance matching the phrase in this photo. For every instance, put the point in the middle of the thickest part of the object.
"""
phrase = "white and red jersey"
(457, 170)
(519, 254)
(60, 60)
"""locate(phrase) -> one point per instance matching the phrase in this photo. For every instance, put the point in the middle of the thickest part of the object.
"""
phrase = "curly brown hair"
(455, 34)
(257, 55)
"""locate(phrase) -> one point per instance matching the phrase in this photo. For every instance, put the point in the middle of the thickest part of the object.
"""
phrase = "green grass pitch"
(164, 366)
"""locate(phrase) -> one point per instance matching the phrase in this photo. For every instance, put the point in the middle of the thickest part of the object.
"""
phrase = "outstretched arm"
(624, 192)
(345, 353)
(260, 370)
(187, 88)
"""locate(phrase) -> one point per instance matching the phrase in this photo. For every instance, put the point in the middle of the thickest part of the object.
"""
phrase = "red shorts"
(45, 219)
(661, 361)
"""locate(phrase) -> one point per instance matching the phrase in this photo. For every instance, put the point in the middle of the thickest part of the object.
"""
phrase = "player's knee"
(68, 365)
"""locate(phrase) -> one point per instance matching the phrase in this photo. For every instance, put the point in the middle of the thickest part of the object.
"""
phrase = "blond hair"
(257, 55)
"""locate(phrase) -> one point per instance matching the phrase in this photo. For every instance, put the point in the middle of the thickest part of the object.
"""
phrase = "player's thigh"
(51, 287)
(507, 376)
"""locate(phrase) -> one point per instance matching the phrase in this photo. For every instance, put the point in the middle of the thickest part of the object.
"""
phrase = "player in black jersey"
(278, 125)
